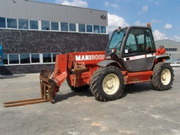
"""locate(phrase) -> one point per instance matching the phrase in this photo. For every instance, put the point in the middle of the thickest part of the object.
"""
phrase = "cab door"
(139, 50)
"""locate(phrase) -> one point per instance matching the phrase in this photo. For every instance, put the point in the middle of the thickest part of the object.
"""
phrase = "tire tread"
(156, 78)
(94, 85)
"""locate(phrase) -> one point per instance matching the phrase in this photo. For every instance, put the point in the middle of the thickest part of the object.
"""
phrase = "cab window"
(139, 41)
(131, 43)
(149, 41)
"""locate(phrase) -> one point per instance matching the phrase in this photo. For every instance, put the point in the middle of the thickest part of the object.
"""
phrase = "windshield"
(116, 40)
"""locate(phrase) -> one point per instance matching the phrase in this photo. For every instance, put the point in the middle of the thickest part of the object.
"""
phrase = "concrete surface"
(142, 111)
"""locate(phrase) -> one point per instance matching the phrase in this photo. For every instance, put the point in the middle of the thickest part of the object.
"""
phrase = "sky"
(162, 14)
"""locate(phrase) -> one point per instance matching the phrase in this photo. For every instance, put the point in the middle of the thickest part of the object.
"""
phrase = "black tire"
(163, 76)
(98, 80)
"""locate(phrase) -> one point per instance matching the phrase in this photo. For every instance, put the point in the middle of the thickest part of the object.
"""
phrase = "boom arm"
(60, 71)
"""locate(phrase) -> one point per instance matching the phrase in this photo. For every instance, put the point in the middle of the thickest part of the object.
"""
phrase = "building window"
(89, 28)
(171, 49)
(96, 28)
(72, 27)
(64, 26)
(103, 29)
(5, 59)
(13, 59)
(2, 22)
(46, 58)
(45, 25)
(35, 58)
(54, 26)
(81, 27)
(11, 23)
(24, 58)
(23, 24)
(33, 24)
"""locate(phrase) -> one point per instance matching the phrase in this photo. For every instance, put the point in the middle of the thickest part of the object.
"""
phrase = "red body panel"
(79, 67)
(160, 51)
(138, 77)
(89, 58)
(60, 70)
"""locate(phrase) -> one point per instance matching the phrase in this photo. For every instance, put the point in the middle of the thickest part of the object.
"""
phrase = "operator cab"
(133, 48)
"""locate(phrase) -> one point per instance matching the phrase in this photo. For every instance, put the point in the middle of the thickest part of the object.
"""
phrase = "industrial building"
(32, 33)
(170, 45)
(172, 49)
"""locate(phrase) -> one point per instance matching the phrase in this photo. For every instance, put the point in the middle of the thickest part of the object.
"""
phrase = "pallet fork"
(49, 84)
(46, 92)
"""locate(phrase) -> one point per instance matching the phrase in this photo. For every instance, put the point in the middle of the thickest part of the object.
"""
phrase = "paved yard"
(142, 111)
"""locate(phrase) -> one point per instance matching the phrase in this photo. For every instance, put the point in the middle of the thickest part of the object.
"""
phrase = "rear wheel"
(107, 83)
(163, 76)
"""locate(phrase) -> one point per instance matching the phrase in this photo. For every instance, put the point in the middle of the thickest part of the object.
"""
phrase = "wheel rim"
(110, 84)
(166, 76)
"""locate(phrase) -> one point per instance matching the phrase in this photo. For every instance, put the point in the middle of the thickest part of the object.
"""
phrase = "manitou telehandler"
(130, 57)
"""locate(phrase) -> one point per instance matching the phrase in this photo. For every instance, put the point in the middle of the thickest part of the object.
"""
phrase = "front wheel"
(163, 76)
(107, 83)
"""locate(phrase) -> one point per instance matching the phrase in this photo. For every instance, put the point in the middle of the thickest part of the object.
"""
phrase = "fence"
(175, 58)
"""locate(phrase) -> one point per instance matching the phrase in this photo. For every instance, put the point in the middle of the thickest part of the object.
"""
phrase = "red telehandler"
(130, 57)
